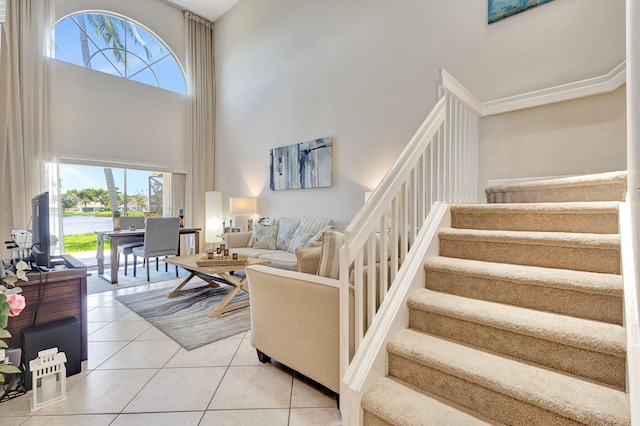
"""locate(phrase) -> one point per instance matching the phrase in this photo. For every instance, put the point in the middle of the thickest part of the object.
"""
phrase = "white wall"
(363, 72)
(583, 136)
(109, 119)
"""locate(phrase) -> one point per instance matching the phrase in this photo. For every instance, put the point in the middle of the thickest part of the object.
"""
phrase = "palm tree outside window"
(117, 46)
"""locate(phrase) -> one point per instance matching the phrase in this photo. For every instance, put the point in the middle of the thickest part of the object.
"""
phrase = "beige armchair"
(295, 319)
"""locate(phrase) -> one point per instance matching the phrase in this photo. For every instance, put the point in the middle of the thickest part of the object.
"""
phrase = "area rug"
(96, 284)
(185, 318)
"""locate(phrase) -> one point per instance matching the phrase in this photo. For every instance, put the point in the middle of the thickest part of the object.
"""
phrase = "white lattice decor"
(49, 378)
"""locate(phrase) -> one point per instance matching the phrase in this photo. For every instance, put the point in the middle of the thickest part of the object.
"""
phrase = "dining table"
(114, 236)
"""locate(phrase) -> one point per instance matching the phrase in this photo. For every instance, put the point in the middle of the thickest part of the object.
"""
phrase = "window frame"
(147, 65)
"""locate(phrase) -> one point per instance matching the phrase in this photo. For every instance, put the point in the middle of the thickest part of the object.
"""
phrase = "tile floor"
(136, 375)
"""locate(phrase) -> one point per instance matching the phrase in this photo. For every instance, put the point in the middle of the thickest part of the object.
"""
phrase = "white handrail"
(453, 86)
(440, 163)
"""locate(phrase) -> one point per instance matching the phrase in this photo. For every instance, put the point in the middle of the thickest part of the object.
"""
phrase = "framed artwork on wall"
(500, 9)
(302, 165)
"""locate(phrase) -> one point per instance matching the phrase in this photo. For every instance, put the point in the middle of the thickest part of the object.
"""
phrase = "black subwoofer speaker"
(64, 334)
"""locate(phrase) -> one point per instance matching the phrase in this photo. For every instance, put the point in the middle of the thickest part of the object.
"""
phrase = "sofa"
(278, 240)
(295, 316)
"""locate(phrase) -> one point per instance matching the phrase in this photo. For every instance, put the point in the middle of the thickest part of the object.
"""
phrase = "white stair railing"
(440, 163)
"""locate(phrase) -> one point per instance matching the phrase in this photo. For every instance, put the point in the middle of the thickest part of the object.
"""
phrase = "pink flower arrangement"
(17, 303)
(11, 304)
(11, 301)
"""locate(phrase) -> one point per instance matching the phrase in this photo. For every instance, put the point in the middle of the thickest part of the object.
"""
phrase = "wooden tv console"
(63, 294)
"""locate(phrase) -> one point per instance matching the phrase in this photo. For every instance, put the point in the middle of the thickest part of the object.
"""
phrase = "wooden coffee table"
(206, 272)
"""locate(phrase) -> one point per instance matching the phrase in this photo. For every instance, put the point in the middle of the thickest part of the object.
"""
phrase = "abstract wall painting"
(302, 165)
(499, 9)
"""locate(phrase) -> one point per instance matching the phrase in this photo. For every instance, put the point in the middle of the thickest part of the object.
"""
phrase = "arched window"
(117, 46)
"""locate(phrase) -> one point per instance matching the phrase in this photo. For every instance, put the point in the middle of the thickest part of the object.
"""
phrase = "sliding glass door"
(89, 195)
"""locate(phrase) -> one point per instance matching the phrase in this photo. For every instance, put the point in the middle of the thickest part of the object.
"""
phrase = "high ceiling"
(210, 9)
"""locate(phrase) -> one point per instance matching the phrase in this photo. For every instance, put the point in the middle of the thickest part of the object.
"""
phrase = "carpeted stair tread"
(398, 403)
(589, 282)
(564, 343)
(565, 395)
(564, 250)
(594, 217)
(580, 294)
(609, 186)
(580, 333)
(571, 181)
(566, 239)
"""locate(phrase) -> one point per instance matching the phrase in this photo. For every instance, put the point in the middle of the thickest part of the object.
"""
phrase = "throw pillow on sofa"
(330, 258)
(263, 221)
(264, 237)
(304, 237)
(315, 224)
(286, 229)
(300, 238)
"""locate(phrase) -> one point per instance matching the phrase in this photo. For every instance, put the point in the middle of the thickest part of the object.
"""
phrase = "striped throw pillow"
(330, 259)
(315, 224)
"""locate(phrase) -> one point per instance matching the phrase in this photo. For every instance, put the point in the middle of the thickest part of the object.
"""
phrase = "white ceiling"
(210, 9)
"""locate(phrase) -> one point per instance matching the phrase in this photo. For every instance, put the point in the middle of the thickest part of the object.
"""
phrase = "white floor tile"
(186, 418)
(76, 378)
(95, 300)
(107, 313)
(113, 302)
(95, 326)
(102, 392)
(315, 417)
(308, 394)
(253, 387)
(246, 355)
(119, 331)
(271, 417)
(142, 354)
(130, 316)
(153, 334)
(13, 421)
(19, 406)
(99, 352)
(76, 420)
(218, 354)
(178, 389)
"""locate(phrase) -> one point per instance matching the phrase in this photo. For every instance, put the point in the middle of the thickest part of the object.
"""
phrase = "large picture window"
(89, 195)
(117, 46)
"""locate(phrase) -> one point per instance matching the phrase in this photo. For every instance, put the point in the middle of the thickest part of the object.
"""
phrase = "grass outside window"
(83, 242)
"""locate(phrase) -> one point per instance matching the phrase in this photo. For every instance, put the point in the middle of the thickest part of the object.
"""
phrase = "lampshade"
(243, 205)
(213, 213)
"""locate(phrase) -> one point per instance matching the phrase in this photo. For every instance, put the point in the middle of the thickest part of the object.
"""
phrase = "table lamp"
(242, 208)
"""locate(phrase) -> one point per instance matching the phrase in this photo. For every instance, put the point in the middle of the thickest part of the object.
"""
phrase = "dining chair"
(161, 238)
(126, 245)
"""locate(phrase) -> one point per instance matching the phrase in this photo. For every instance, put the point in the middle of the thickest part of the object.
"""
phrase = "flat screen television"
(40, 250)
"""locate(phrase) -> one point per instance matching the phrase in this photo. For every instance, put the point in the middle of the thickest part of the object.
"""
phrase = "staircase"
(520, 320)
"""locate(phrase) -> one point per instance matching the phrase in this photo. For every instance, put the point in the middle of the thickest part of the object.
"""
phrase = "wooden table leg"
(114, 260)
(179, 290)
(224, 306)
(100, 252)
